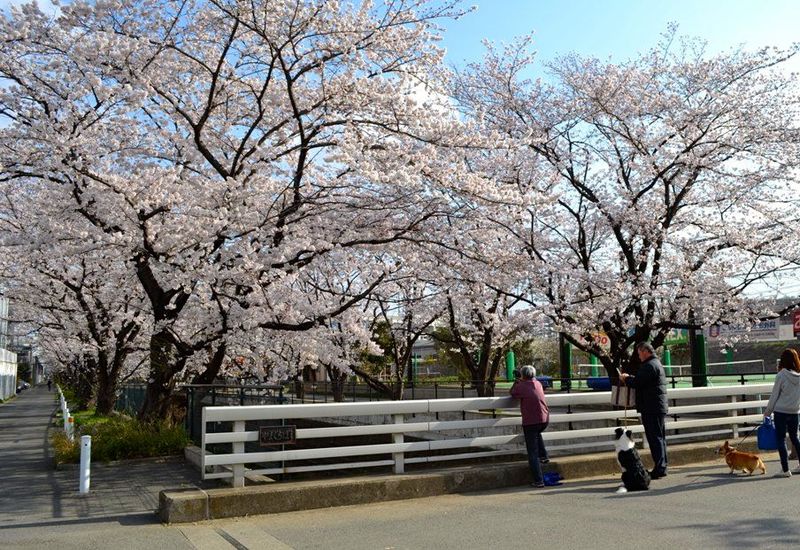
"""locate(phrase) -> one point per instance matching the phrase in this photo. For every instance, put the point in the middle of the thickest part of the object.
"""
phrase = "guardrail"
(389, 419)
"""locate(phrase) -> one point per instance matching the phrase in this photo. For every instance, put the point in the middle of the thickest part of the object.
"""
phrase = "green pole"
(697, 342)
(729, 360)
(667, 362)
(593, 361)
(565, 360)
(511, 363)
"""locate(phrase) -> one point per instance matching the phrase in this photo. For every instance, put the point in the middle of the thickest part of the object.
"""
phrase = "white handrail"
(389, 418)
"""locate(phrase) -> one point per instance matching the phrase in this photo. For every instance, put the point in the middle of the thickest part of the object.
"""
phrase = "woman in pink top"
(535, 417)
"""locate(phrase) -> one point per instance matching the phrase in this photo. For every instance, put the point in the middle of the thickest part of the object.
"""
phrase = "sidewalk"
(35, 494)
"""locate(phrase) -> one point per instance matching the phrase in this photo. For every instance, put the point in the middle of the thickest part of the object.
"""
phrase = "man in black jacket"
(651, 402)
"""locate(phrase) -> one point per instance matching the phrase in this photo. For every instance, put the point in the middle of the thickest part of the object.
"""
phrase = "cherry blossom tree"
(228, 154)
(641, 196)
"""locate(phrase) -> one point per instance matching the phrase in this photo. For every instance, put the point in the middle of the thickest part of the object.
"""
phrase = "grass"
(118, 438)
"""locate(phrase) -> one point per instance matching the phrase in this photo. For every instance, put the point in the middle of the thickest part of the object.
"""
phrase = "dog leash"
(746, 436)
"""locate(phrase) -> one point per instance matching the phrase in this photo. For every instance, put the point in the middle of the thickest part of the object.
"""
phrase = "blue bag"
(552, 478)
(767, 438)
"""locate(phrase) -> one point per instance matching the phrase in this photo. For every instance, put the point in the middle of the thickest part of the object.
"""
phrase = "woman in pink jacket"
(535, 417)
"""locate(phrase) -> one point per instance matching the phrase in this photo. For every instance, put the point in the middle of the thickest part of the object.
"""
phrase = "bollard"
(86, 463)
(71, 427)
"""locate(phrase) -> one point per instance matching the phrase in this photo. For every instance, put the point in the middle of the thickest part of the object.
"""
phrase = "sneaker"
(787, 473)
(657, 475)
(544, 460)
(537, 484)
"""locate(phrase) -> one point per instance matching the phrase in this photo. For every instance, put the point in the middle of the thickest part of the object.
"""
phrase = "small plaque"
(277, 435)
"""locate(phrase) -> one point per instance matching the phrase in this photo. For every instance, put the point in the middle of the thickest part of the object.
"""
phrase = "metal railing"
(232, 448)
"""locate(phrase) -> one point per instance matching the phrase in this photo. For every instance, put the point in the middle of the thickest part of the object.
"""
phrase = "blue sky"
(620, 28)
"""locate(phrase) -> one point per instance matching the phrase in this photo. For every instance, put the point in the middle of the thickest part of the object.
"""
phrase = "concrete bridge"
(696, 506)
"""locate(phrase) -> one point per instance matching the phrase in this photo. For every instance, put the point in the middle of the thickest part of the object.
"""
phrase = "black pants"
(656, 440)
(536, 450)
(786, 423)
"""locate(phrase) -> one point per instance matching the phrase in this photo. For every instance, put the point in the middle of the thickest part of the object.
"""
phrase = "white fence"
(714, 411)
(8, 373)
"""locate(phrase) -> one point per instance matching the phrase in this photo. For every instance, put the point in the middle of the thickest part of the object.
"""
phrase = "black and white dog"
(634, 475)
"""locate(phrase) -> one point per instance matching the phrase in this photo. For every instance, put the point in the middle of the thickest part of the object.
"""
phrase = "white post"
(71, 427)
(399, 458)
(238, 448)
(86, 463)
(734, 412)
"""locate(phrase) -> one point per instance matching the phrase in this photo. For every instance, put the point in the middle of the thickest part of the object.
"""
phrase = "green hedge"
(119, 438)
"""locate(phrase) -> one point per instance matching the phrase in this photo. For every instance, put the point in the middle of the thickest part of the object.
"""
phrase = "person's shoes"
(787, 473)
(544, 460)
(537, 484)
(657, 475)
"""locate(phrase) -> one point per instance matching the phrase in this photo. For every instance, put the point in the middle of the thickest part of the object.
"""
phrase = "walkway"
(32, 492)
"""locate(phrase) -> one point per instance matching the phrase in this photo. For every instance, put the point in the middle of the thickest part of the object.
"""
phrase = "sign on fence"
(277, 435)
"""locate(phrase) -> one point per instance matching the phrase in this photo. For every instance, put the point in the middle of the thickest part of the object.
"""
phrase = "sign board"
(277, 435)
(602, 340)
(676, 336)
(763, 330)
(796, 322)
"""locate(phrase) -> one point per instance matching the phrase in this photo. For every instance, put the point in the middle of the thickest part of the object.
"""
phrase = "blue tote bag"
(767, 439)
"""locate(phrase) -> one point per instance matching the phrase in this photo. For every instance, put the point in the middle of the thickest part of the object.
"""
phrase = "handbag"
(767, 436)
(623, 396)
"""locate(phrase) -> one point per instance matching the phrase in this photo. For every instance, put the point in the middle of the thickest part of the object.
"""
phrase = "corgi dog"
(738, 460)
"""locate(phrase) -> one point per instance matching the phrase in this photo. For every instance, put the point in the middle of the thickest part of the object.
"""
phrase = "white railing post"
(71, 428)
(238, 447)
(86, 463)
(734, 412)
(399, 458)
(203, 443)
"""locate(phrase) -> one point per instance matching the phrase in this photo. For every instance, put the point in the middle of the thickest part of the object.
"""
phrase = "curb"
(191, 505)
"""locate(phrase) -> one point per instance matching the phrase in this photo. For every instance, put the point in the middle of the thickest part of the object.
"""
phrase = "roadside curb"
(191, 505)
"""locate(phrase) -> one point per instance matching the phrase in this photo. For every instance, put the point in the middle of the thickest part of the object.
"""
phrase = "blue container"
(545, 381)
(767, 439)
(599, 383)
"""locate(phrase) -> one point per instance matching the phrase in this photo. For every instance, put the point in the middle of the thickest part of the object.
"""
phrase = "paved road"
(694, 507)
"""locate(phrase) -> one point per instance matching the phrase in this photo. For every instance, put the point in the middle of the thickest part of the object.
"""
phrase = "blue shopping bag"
(767, 438)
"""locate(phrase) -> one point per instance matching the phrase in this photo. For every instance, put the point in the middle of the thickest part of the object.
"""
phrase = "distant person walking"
(49, 384)
(535, 418)
(785, 403)
(650, 383)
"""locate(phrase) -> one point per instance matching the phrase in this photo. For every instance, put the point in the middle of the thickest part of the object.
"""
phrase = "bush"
(64, 450)
(120, 438)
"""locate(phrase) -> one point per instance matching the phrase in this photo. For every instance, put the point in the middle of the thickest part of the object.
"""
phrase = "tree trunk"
(106, 389)
(338, 380)
(163, 367)
(213, 366)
